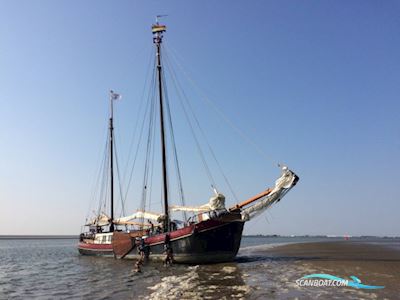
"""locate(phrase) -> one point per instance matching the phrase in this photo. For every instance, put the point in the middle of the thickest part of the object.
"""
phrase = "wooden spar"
(250, 200)
(134, 223)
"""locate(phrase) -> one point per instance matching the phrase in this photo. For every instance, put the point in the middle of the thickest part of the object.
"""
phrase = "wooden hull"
(95, 249)
(209, 241)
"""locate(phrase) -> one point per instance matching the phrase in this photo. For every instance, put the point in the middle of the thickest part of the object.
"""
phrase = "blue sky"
(315, 83)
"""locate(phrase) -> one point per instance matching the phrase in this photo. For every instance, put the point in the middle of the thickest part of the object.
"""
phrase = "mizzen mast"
(111, 128)
(113, 96)
(158, 31)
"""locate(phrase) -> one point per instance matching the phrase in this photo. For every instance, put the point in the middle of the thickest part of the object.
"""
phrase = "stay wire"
(97, 185)
(123, 212)
(198, 147)
(150, 184)
(172, 71)
(147, 110)
(139, 112)
(104, 184)
(148, 151)
(179, 92)
(174, 150)
(211, 104)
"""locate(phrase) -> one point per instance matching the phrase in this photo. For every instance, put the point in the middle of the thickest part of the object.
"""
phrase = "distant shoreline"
(38, 237)
(320, 236)
(59, 237)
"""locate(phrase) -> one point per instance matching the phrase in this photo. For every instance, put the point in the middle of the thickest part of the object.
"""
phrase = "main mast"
(158, 31)
(113, 96)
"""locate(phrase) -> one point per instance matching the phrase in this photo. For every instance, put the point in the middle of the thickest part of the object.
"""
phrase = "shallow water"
(53, 269)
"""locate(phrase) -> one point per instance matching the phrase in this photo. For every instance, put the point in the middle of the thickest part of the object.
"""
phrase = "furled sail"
(216, 202)
(100, 220)
(139, 215)
(283, 184)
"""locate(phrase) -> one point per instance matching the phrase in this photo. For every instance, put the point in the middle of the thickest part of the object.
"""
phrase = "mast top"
(157, 30)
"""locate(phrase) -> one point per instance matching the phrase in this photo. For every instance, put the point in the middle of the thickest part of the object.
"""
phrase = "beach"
(374, 264)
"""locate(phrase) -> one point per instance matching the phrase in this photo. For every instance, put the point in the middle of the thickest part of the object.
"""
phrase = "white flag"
(115, 96)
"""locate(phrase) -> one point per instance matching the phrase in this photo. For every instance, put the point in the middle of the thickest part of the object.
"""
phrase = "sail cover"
(216, 202)
(283, 184)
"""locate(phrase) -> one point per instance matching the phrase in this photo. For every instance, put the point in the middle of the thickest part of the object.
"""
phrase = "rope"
(119, 181)
(104, 183)
(150, 185)
(96, 184)
(172, 137)
(147, 110)
(139, 112)
(211, 104)
(203, 135)
(199, 150)
(148, 151)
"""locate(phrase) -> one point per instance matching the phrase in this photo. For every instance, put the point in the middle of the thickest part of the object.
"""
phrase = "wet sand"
(270, 272)
(372, 264)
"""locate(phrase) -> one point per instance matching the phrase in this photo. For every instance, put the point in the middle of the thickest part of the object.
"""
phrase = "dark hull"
(209, 241)
(217, 244)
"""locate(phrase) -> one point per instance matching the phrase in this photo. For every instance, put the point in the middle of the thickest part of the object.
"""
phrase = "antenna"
(160, 16)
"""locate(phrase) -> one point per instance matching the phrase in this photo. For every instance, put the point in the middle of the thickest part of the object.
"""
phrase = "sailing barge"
(211, 235)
